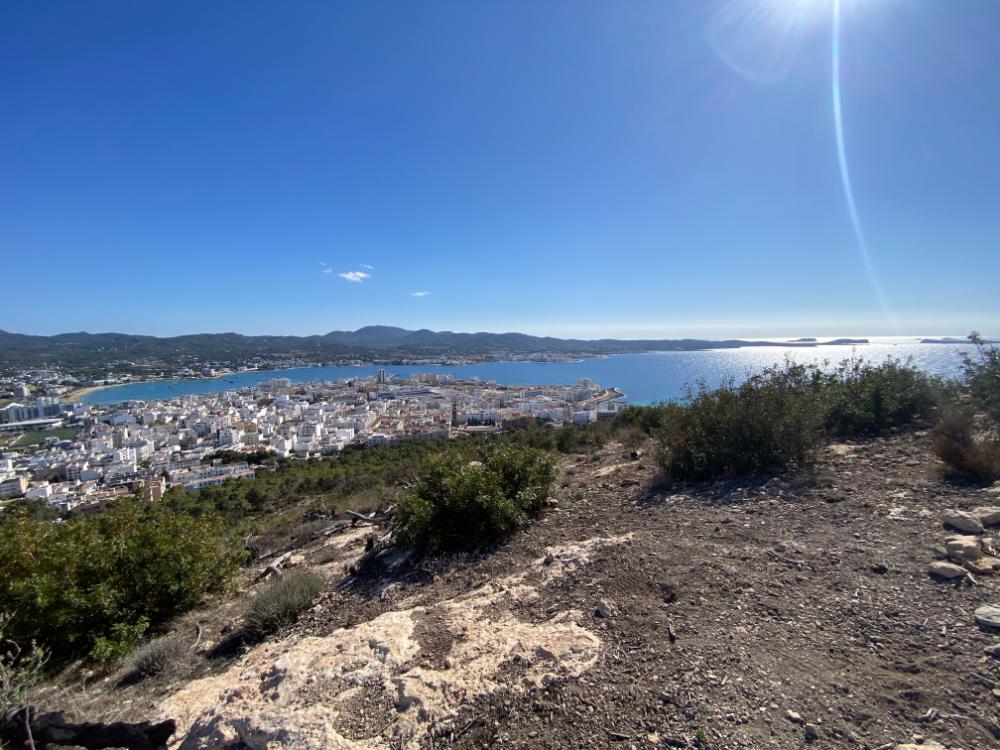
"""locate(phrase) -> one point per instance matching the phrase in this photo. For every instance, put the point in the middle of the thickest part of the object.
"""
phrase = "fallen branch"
(375, 519)
(274, 568)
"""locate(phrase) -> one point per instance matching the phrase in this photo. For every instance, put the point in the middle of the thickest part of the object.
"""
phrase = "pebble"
(794, 717)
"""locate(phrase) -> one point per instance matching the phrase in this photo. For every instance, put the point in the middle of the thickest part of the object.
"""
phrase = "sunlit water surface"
(643, 378)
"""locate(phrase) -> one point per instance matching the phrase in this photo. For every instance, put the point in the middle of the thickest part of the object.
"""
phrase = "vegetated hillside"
(97, 349)
(729, 614)
(782, 562)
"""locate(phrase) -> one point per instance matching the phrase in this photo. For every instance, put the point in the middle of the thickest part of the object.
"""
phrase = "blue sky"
(570, 168)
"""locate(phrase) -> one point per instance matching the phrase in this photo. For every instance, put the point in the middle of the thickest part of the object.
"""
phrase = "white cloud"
(355, 276)
(370, 268)
(327, 270)
(322, 263)
(419, 294)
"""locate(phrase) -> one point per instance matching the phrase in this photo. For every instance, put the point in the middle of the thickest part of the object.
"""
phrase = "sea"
(643, 378)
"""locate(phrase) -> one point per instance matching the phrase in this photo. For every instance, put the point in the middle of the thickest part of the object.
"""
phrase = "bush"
(864, 399)
(160, 655)
(968, 437)
(769, 421)
(94, 584)
(966, 456)
(779, 417)
(280, 602)
(458, 503)
(982, 376)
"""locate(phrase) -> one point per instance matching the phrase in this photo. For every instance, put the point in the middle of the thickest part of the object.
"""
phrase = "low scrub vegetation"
(93, 585)
(20, 669)
(778, 418)
(462, 502)
(968, 438)
(281, 601)
(160, 656)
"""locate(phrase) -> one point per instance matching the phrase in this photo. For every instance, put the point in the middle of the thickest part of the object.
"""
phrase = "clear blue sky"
(574, 168)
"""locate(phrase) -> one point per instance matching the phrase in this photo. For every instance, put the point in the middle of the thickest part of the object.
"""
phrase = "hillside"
(779, 612)
(82, 350)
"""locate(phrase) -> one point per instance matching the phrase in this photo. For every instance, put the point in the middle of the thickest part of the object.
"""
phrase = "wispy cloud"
(327, 270)
(419, 294)
(370, 268)
(355, 277)
(322, 262)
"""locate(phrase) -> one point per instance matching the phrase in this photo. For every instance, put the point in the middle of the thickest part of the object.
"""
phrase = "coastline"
(78, 393)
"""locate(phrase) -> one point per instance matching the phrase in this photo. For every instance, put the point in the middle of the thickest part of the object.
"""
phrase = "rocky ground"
(782, 612)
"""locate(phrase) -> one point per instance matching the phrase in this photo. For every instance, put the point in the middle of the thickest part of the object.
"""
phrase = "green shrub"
(124, 637)
(779, 417)
(769, 421)
(458, 503)
(280, 602)
(93, 584)
(982, 376)
(859, 398)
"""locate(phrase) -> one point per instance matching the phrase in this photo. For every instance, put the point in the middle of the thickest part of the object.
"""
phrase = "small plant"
(281, 601)
(160, 655)
(966, 454)
(121, 642)
(20, 670)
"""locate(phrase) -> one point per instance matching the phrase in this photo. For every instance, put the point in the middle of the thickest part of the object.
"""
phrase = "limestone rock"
(963, 547)
(988, 616)
(984, 566)
(946, 570)
(962, 521)
(988, 515)
(925, 745)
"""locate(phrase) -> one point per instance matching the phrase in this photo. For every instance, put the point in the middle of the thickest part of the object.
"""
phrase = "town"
(77, 456)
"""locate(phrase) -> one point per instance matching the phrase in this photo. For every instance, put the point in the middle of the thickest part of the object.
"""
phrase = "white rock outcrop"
(303, 692)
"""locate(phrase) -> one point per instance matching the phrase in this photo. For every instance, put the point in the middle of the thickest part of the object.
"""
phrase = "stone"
(880, 569)
(993, 650)
(963, 547)
(925, 745)
(605, 609)
(946, 570)
(812, 732)
(988, 616)
(984, 566)
(962, 521)
(987, 515)
(794, 717)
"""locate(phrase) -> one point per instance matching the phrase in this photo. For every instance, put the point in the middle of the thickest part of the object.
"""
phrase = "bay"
(643, 378)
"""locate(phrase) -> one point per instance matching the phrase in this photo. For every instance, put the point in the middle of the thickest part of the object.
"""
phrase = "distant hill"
(97, 350)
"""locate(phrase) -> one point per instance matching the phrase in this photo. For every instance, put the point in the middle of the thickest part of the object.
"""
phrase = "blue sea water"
(644, 378)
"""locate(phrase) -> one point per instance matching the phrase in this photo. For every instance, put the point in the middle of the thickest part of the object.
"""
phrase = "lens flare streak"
(845, 175)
